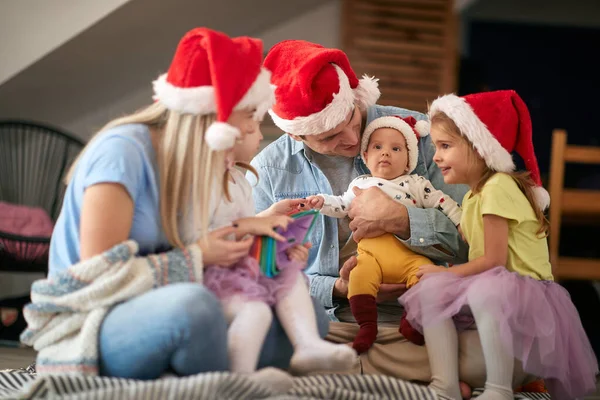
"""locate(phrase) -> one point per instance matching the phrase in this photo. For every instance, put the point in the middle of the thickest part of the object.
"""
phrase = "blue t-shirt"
(123, 155)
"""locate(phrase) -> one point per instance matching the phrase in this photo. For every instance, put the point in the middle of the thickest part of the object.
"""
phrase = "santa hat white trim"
(401, 126)
(260, 95)
(495, 156)
(198, 100)
(201, 100)
(366, 94)
(221, 136)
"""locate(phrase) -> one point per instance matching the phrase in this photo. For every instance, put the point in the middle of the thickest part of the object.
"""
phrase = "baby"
(389, 148)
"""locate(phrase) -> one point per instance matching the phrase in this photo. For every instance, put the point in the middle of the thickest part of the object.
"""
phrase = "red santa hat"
(496, 123)
(212, 73)
(316, 87)
(409, 127)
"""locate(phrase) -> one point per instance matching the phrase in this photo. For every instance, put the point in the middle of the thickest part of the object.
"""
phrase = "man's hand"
(387, 292)
(374, 213)
(340, 288)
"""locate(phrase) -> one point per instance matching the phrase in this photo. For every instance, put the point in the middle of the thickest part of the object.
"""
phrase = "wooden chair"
(577, 206)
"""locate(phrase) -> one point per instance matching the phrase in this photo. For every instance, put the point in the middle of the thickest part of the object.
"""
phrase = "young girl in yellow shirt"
(507, 284)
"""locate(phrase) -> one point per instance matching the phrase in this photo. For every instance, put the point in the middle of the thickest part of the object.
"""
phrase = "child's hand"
(299, 252)
(284, 207)
(265, 226)
(430, 269)
(315, 202)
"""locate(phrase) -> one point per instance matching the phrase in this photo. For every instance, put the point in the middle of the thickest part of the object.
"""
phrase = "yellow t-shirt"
(501, 196)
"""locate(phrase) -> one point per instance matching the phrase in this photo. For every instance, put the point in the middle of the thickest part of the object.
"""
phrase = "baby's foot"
(365, 338)
(275, 379)
(322, 356)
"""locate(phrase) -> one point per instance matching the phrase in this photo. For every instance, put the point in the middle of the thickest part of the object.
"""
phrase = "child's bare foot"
(465, 390)
(322, 356)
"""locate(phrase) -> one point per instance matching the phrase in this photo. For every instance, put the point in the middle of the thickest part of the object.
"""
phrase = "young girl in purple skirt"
(507, 284)
(248, 296)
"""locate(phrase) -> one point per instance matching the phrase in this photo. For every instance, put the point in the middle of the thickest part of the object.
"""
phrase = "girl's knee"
(479, 298)
(260, 310)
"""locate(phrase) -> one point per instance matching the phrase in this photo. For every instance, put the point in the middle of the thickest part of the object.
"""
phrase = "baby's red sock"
(364, 309)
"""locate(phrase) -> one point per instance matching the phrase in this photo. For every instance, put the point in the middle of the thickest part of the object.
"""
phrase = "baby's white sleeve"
(337, 206)
(427, 196)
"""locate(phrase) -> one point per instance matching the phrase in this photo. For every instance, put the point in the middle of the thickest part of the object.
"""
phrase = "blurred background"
(74, 65)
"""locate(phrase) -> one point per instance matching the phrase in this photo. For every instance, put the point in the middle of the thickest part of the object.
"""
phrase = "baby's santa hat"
(409, 127)
(316, 87)
(496, 123)
(212, 73)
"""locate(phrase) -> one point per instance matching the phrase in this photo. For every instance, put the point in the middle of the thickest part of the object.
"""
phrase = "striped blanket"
(21, 384)
(68, 308)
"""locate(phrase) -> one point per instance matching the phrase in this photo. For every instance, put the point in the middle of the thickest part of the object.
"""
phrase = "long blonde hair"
(188, 169)
(522, 178)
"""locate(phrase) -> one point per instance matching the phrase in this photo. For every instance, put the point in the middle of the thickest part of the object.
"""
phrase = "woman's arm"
(106, 218)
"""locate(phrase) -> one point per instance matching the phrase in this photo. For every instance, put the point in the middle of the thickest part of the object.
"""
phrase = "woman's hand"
(299, 252)
(218, 250)
(264, 226)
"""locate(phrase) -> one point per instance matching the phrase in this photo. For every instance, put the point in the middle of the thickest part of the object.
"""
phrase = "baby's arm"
(427, 196)
(333, 206)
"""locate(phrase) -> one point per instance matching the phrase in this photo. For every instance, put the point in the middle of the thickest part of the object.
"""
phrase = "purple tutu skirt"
(244, 279)
(537, 319)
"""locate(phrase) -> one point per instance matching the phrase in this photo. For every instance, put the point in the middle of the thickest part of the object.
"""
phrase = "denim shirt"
(286, 173)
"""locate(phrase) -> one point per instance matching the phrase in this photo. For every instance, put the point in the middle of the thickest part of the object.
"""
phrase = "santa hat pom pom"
(367, 92)
(542, 197)
(221, 136)
(422, 128)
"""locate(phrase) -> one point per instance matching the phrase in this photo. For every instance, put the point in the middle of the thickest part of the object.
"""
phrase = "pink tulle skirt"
(244, 279)
(537, 320)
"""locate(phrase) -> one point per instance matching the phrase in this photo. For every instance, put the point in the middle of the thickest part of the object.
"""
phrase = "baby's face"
(387, 155)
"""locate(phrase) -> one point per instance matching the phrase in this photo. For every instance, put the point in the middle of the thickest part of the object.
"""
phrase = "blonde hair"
(188, 169)
(522, 178)
(243, 166)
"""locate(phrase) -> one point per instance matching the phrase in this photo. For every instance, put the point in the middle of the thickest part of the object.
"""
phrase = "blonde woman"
(144, 177)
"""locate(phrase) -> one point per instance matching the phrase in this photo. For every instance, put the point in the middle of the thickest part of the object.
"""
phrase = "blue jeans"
(180, 327)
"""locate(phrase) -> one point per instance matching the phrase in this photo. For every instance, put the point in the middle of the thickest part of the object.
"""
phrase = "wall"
(577, 13)
(30, 29)
(321, 25)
